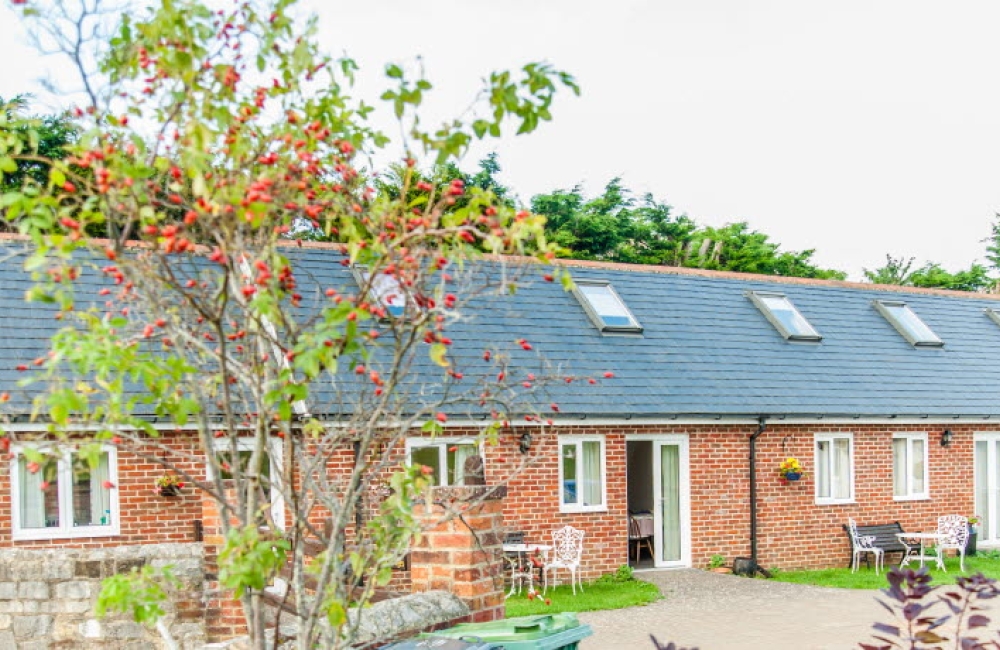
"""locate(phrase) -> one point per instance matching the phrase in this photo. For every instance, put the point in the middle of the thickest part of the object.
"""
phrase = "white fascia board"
(771, 421)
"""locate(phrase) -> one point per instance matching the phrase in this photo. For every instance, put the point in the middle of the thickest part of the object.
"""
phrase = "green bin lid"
(522, 628)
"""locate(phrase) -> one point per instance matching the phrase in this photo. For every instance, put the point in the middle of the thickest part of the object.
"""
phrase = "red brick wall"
(146, 517)
(462, 556)
(788, 512)
(793, 530)
(532, 503)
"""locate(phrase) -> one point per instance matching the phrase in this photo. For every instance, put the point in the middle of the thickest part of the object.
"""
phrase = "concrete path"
(723, 612)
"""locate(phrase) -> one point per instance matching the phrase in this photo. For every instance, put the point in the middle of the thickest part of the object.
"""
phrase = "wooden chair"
(636, 538)
(567, 550)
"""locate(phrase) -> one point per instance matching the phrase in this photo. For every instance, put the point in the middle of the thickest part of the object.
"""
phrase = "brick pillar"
(223, 612)
(464, 554)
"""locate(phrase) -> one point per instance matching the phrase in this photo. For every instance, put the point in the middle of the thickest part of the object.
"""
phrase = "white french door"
(987, 486)
(672, 514)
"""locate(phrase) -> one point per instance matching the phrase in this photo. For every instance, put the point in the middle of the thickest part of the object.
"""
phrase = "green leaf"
(336, 614)
(438, 353)
(393, 71)
(432, 427)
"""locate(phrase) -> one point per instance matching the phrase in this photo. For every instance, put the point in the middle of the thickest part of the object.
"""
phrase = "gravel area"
(712, 611)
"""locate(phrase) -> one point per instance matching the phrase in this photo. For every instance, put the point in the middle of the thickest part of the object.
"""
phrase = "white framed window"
(445, 456)
(908, 324)
(785, 317)
(581, 474)
(993, 314)
(385, 289)
(605, 307)
(909, 466)
(60, 495)
(270, 470)
(834, 456)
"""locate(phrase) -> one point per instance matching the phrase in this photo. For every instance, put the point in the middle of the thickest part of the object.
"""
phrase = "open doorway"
(658, 501)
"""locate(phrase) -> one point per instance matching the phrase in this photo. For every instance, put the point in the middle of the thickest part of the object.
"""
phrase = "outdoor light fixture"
(525, 444)
(946, 437)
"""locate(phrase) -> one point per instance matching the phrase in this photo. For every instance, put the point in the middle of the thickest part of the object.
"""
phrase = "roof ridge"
(655, 268)
(777, 279)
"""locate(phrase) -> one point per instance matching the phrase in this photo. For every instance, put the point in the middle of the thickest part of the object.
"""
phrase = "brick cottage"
(689, 388)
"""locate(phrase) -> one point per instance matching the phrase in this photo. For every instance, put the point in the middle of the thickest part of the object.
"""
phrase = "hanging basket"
(793, 476)
(167, 491)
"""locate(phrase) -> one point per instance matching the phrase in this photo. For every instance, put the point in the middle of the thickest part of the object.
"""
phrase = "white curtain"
(100, 496)
(462, 454)
(823, 468)
(842, 468)
(32, 498)
(670, 487)
(899, 467)
(918, 466)
(995, 444)
(986, 531)
(593, 494)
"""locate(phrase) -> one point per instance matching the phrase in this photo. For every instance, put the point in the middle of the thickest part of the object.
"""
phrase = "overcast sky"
(857, 128)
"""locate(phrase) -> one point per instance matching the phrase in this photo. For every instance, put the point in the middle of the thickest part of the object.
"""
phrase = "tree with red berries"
(211, 140)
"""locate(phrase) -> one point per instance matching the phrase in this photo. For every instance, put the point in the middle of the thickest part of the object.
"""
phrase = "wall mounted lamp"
(525, 444)
(946, 437)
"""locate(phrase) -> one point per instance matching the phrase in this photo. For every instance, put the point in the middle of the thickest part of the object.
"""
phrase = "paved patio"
(723, 612)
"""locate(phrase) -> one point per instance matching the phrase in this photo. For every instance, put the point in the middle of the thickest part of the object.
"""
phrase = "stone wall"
(47, 598)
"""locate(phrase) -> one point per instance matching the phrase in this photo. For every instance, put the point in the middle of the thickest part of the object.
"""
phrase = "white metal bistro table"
(521, 567)
(926, 540)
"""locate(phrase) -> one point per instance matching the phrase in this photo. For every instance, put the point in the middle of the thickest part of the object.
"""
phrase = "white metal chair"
(519, 566)
(954, 530)
(520, 573)
(864, 544)
(567, 549)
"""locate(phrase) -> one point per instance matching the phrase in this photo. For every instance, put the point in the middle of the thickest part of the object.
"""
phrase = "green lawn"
(603, 594)
(987, 563)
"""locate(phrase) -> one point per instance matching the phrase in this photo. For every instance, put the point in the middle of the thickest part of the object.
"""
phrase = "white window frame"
(381, 286)
(274, 452)
(830, 438)
(886, 308)
(760, 300)
(442, 443)
(577, 441)
(634, 327)
(66, 529)
(910, 495)
(993, 314)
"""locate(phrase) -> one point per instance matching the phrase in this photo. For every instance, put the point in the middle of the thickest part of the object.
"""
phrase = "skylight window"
(605, 307)
(907, 323)
(386, 290)
(993, 314)
(780, 311)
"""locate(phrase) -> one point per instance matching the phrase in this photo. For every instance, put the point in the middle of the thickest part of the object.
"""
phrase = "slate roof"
(705, 351)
